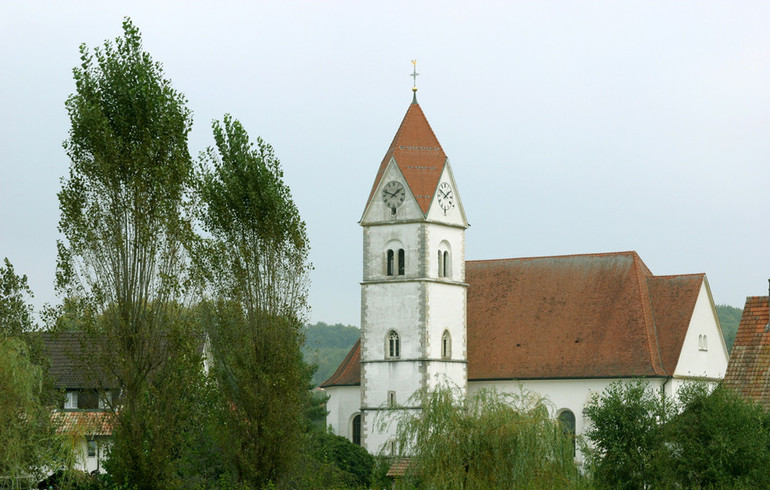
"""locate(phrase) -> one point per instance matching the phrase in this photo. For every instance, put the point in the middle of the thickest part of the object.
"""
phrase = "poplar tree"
(256, 259)
(125, 228)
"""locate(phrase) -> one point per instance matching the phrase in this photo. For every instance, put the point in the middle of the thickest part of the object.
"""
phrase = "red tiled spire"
(418, 154)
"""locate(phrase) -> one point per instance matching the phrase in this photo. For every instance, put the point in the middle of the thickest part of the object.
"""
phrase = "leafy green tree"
(29, 444)
(256, 264)
(720, 440)
(627, 446)
(729, 318)
(488, 440)
(124, 211)
(15, 310)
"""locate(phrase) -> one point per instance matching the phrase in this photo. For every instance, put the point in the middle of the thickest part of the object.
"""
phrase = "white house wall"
(694, 360)
(344, 402)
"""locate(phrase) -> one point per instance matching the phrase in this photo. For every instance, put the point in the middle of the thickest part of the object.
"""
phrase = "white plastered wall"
(344, 401)
(695, 361)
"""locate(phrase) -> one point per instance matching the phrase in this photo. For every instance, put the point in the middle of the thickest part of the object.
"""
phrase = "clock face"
(393, 194)
(446, 197)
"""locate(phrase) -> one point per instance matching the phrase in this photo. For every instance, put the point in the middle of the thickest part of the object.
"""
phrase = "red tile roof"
(85, 423)
(418, 154)
(575, 316)
(748, 372)
(349, 372)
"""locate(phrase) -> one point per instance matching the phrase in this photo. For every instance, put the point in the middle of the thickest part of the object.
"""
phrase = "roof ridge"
(648, 314)
(596, 254)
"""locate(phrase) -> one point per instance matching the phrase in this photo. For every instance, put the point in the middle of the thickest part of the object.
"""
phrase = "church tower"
(413, 294)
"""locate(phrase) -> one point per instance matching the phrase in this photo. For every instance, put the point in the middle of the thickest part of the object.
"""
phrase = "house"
(564, 327)
(84, 412)
(749, 370)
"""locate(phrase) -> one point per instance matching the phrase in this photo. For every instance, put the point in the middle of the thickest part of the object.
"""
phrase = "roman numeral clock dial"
(393, 195)
(446, 197)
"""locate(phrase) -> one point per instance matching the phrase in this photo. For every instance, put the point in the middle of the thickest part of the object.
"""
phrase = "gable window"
(393, 348)
(703, 342)
(71, 402)
(446, 345)
(357, 430)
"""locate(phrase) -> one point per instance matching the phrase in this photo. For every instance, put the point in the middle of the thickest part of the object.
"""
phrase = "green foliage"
(626, 441)
(709, 440)
(255, 261)
(15, 309)
(353, 462)
(29, 444)
(729, 318)
(326, 346)
(488, 440)
(124, 211)
(720, 440)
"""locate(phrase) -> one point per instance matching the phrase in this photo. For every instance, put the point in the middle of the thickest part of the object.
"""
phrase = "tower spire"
(414, 75)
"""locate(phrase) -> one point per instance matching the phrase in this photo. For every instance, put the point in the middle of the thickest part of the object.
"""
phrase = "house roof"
(80, 422)
(574, 316)
(418, 155)
(70, 353)
(748, 371)
(349, 371)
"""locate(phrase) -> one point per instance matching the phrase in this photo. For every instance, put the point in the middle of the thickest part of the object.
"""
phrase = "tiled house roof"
(349, 372)
(70, 353)
(748, 371)
(418, 155)
(576, 316)
(80, 422)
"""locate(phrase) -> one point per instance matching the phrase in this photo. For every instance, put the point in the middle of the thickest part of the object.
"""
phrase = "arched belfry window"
(395, 259)
(446, 345)
(567, 419)
(392, 346)
(444, 260)
(356, 430)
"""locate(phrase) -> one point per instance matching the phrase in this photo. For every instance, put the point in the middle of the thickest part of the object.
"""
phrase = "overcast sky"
(572, 127)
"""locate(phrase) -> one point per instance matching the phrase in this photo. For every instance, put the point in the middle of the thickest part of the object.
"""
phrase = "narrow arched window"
(446, 345)
(445, 264)
(567, 419)
(390, 265)
(440, 264)
(401, 262)
(357, 430)
(394, 345)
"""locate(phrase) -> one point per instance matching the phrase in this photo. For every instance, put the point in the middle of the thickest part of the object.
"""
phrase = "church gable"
(446, 205)
(419, 156)
(392, 199)
(673, 300)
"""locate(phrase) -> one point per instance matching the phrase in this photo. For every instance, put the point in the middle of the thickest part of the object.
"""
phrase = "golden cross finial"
(414, 75)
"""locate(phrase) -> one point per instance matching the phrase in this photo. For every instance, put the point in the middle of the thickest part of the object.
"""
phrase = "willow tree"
(489, 439)
(29, 444)
(257, 265)
(123, 218)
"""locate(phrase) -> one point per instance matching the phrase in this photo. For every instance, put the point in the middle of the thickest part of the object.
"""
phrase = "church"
(564, 327)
